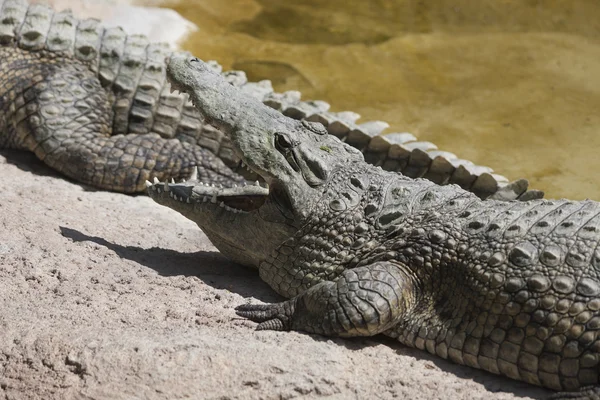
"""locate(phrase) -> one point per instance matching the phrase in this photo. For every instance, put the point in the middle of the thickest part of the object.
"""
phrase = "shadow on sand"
(209, 266)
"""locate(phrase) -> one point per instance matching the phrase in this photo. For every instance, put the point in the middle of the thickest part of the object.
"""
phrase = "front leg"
(363, 301)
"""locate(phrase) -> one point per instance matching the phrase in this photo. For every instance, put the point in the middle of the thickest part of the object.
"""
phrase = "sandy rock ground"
(110, 296)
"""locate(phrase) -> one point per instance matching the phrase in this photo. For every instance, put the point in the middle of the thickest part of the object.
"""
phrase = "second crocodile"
(94, 104)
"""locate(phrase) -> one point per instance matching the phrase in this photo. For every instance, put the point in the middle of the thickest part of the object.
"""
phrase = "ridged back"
(127, 65)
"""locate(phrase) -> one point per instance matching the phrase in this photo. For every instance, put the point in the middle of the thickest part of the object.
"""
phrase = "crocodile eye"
(194, 59)
(282, 142)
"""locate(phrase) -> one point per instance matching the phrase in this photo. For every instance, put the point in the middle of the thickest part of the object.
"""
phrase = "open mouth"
(238, 199)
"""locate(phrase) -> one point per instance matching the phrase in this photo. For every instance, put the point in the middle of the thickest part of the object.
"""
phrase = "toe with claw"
(274, 317)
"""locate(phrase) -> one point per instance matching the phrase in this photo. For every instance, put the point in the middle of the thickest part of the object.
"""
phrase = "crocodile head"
(294, 158)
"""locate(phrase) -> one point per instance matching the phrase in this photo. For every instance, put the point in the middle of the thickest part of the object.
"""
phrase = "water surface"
(512, 84)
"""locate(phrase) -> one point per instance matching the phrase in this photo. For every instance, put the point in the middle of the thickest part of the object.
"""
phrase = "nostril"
(194, 60)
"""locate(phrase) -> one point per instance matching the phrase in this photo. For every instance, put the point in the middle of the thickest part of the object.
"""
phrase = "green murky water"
(513, 84)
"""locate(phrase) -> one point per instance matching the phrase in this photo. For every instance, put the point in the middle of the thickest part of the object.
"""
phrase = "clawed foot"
(274, 317)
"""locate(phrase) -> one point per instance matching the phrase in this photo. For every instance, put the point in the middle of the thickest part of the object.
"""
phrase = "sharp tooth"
(194, 176)
(166, 187)
(205, 199)
(171, 194)
(148, 183)
(257, 183)
(172, 181)
(188, 200)
(175, 198)
(159, 190)
(214, 198)
(235, 185)
(222, 204)
(220, 186)
(155, 180)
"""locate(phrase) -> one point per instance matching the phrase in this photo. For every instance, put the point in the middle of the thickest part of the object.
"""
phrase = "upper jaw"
(243, 119)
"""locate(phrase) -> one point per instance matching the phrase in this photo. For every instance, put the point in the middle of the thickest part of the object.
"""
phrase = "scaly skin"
(93, 103)
(509, 287)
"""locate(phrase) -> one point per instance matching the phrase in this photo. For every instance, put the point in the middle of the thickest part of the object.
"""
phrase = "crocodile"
(93, 103)
(509, 287)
